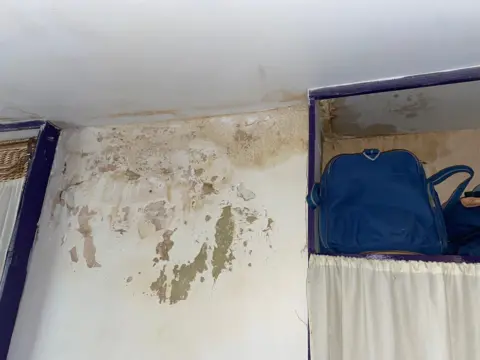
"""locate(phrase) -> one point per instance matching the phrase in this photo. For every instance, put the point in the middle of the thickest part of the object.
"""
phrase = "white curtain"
(10, 194)
(363, 309)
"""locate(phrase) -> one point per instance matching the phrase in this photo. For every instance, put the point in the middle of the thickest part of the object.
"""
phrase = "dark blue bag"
(463, 227)
(381, 201)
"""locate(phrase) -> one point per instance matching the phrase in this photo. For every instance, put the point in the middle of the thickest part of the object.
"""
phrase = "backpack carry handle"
(444, 174)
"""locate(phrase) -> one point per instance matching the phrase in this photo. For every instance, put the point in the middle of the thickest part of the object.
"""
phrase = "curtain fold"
(363, 309)
(10, 194)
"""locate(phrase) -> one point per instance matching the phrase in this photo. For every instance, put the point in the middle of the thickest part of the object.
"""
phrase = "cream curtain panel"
(10, 193)
(363, 309)
(14, 162)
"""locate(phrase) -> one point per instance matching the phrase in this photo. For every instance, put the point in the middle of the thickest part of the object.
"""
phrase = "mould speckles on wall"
(175, 193)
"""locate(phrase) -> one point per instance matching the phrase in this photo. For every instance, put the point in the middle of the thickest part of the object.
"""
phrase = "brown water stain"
(73, 254)
(144, 113)
(426, 146)
(131, 175)
(284, 96)
(346, 123)
(185, 274)
(164, 247)
(84, 228)
(273, 137)
(269, 225)
(412, 106)
(251, 219)
(224, 233)
(208, 189)
(107, 168)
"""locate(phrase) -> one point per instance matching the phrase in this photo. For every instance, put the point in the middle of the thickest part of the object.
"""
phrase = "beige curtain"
(14, 161)
(393, 310)
(10, 193)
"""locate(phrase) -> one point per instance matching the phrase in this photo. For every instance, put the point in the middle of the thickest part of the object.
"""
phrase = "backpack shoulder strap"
(313, 197)
(444, 174)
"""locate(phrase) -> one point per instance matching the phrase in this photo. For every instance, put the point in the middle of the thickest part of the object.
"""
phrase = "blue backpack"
(381, 201)
(463, 227)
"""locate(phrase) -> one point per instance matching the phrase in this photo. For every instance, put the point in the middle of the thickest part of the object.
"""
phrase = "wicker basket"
(14, 158)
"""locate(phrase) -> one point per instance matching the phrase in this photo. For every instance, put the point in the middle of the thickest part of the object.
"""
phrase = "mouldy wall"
(180, 241)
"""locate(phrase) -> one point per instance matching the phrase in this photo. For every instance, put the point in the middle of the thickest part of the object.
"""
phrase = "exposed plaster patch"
(159, 286)
(186, 274)
(224, 233)
(158, 213)
(244, 193)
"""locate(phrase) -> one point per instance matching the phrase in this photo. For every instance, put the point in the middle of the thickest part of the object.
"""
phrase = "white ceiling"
(97, 62)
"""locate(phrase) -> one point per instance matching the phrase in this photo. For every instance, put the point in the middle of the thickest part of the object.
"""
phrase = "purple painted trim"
(429, 258)
(21, 125)
(403, 83)
(16, 265)
(311, 172)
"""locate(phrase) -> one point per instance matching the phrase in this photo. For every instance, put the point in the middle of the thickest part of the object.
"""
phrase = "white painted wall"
(95, 62)
(89, 291)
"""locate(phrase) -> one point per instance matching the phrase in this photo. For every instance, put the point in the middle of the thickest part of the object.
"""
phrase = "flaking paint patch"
(185, 274)
(164, 247)
(224, 234)
(84, 228)
(269, 225)
(132, 175)
(73, 254)
(158, 213)
(159, 286)
(208, 189)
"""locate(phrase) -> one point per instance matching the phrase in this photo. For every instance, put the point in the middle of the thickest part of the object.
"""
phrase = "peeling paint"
(159, 286)
(224, 232)
(208, 189)
(73, 254)
(244, 193)
(131, 175)
(269, 225)
(186, 274)
(166, 245)
(84, 228)
(157, 213)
